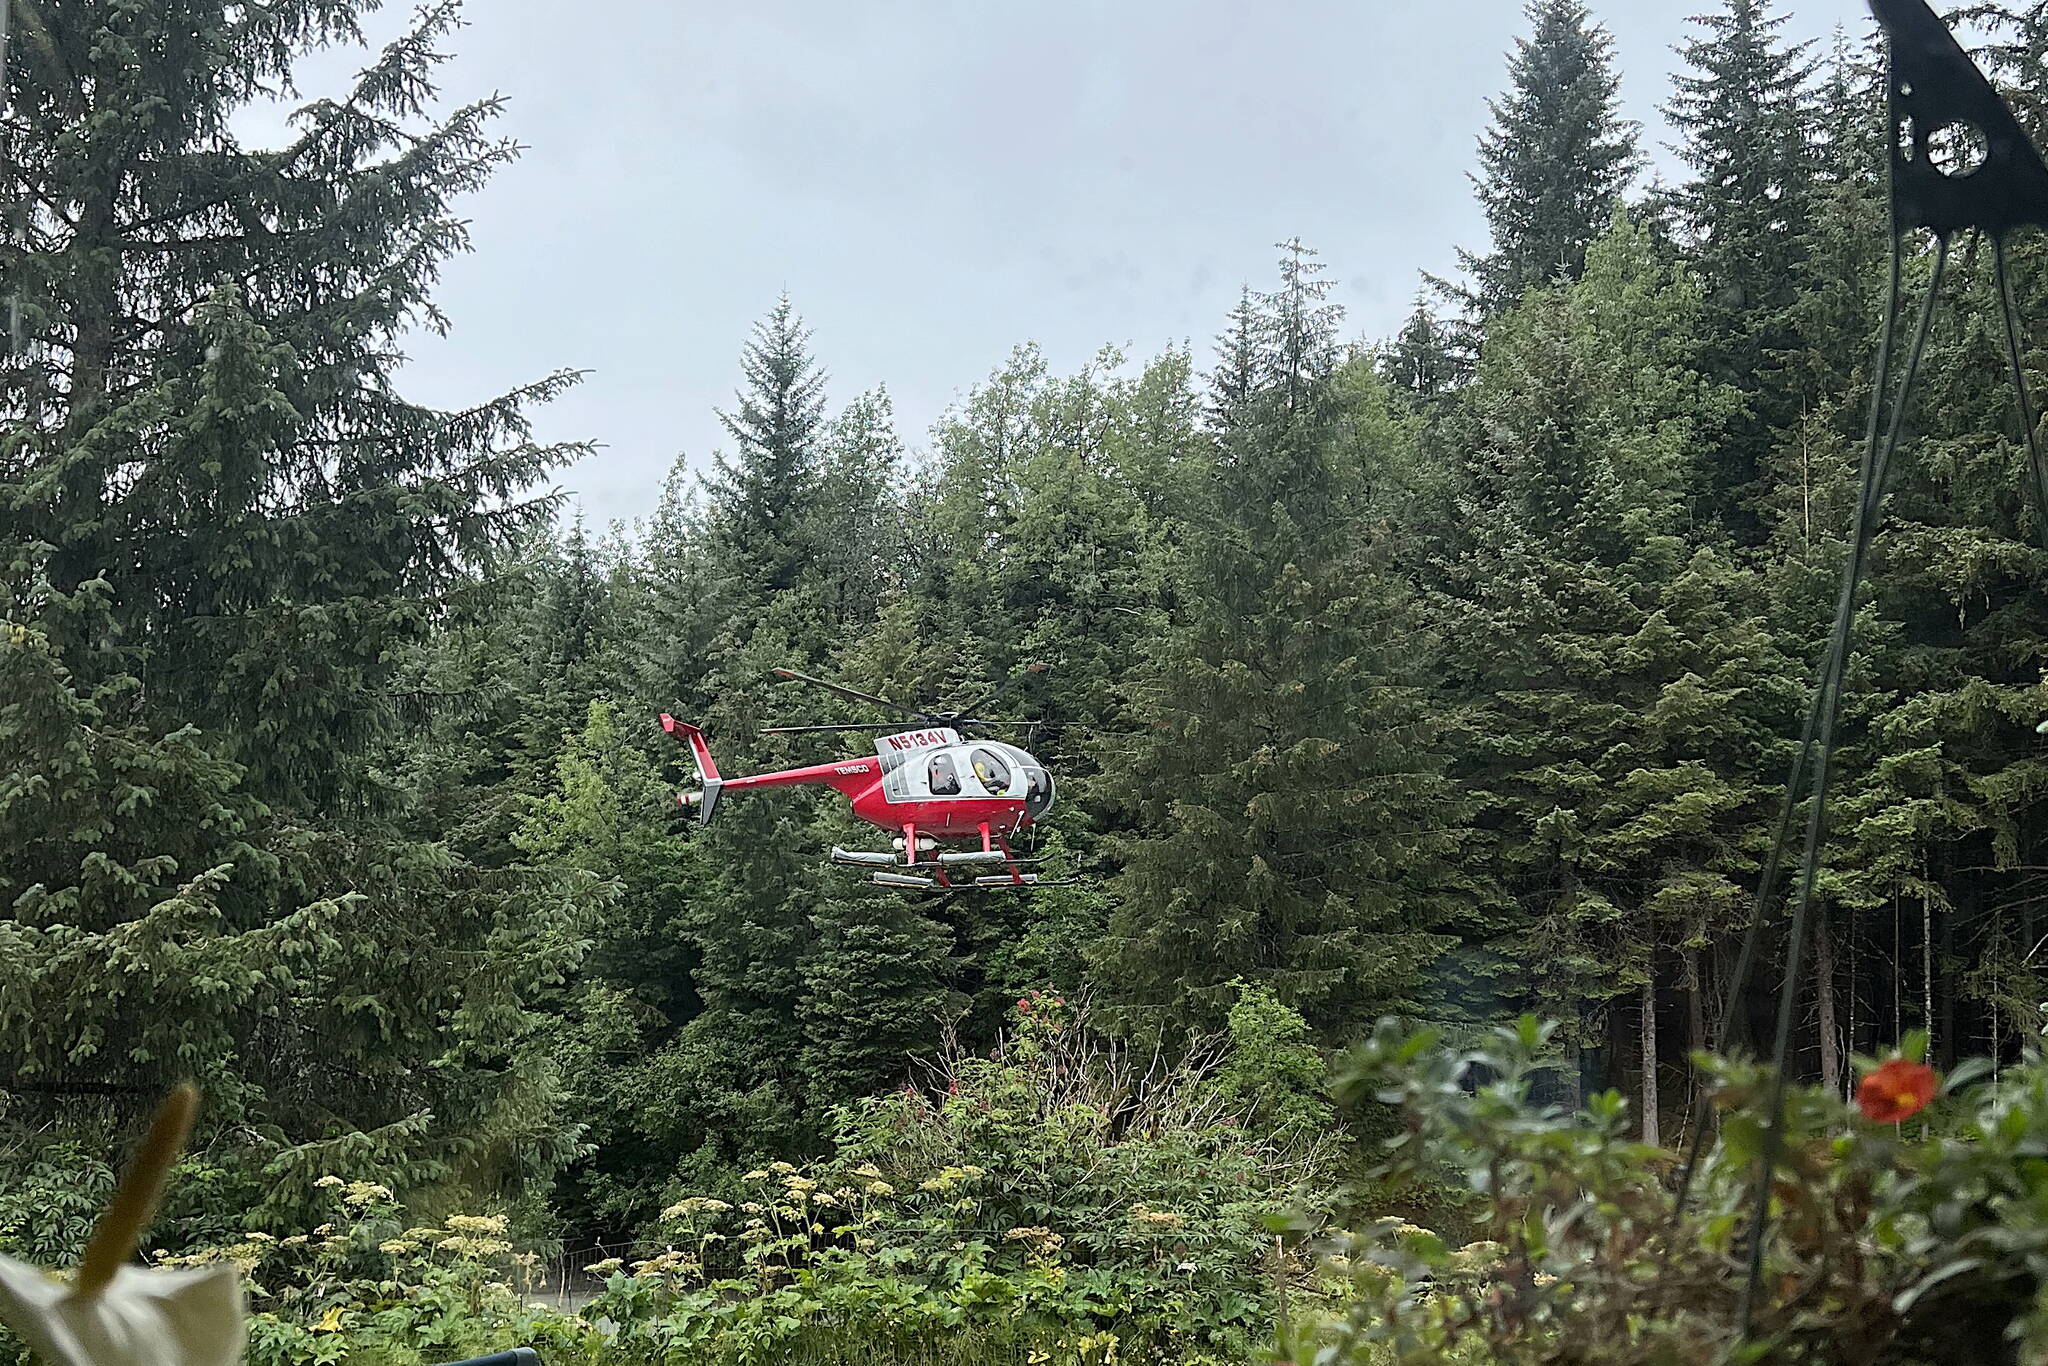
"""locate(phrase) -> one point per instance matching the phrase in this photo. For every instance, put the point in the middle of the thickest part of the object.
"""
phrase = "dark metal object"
(1936, 89)
(1938, 101)
(518, 1356)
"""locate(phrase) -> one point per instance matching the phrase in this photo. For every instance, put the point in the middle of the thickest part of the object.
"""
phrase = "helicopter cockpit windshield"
(1037, 782)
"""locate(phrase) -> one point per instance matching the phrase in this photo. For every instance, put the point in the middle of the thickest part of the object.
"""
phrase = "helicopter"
(927, 783)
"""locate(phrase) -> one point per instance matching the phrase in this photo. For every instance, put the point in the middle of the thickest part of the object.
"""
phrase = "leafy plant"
(1888, 1244)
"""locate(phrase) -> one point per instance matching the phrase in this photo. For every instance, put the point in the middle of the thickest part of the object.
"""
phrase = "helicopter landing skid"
(1022, 882)
(944, 868)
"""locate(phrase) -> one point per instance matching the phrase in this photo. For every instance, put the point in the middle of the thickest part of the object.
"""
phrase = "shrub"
(1059, 1201)
(1888, 1244)
(1060, 1196)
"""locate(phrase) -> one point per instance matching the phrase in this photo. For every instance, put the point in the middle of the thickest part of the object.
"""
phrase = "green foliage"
(1273, 1075)
(1058, 1200)
(1888, 1243)
(1624, 687)
(1745, 110)
(1059, 1190)
(1454, 675)
(227, 538)
(1555, 159)
(1287, 785)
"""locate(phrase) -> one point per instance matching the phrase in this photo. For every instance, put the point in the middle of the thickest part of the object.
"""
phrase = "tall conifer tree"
(1744, 114)
(1291, 802)
(229, 534)
(1621, 685)
(764, 498)
(1556, 158)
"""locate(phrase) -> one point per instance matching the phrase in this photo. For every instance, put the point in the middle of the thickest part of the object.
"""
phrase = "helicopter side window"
(945, 780)
(992, 771)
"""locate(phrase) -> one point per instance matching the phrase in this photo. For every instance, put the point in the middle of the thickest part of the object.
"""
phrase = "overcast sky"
(935, 181)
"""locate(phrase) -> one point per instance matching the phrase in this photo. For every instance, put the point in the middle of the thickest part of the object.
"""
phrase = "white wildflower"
(119, 1315)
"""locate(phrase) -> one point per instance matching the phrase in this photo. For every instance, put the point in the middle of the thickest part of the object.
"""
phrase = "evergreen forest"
(1448, 677)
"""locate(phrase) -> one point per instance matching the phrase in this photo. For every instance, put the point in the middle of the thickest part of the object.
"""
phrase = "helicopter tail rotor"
(705, 801)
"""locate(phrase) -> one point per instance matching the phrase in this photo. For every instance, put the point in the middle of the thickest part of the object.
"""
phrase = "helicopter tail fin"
(706, 801)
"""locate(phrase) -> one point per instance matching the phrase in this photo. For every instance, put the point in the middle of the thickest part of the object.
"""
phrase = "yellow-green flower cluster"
(667, 1264)
(1037, 1239)
(693, 1206)
(474, 1249)
(358, 1194)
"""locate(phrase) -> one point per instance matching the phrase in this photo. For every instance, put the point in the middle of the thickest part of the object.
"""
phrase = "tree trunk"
(1927, 964)
(1855, 984)
(1695, 1029)
(1649, 1012)
(1951, 1033)
(1898, 973)
(1824, 974)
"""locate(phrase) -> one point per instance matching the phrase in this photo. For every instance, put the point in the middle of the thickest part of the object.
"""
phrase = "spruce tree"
(742, 578)
(608, 816)
(1556, 158)
(1623, 686)
(229, 535)
(1422, 360)
(1743, 112)
(861, 532)
(1293, 815)
(763, 498)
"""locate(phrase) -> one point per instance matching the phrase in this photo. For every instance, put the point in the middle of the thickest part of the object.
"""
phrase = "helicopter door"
(944, 777)
(991, 772)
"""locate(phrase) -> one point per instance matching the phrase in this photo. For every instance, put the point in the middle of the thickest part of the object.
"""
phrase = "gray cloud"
(934, 183)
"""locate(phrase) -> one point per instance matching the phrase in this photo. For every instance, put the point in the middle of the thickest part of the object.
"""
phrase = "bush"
(1059, 1201)
(1060, 1196)
(1887, 1245)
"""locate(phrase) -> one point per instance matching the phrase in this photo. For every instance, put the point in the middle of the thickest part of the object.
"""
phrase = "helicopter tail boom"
(706, 801)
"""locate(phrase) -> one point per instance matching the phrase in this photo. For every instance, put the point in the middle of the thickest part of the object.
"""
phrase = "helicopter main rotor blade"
(870, 726)
(853, 693)
(959, 714)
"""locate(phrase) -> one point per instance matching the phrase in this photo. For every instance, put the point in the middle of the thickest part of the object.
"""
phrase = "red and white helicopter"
(926, 783)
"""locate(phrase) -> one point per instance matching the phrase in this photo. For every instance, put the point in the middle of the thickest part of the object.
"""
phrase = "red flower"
(1896, 1090)
(1023, 1006)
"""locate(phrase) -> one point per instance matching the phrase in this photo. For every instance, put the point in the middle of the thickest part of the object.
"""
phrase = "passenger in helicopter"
(992, 771)
(945, 781)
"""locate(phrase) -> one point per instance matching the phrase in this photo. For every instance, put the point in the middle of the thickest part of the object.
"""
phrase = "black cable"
(1767, 881)
(2035, 465)
(1816, 819)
